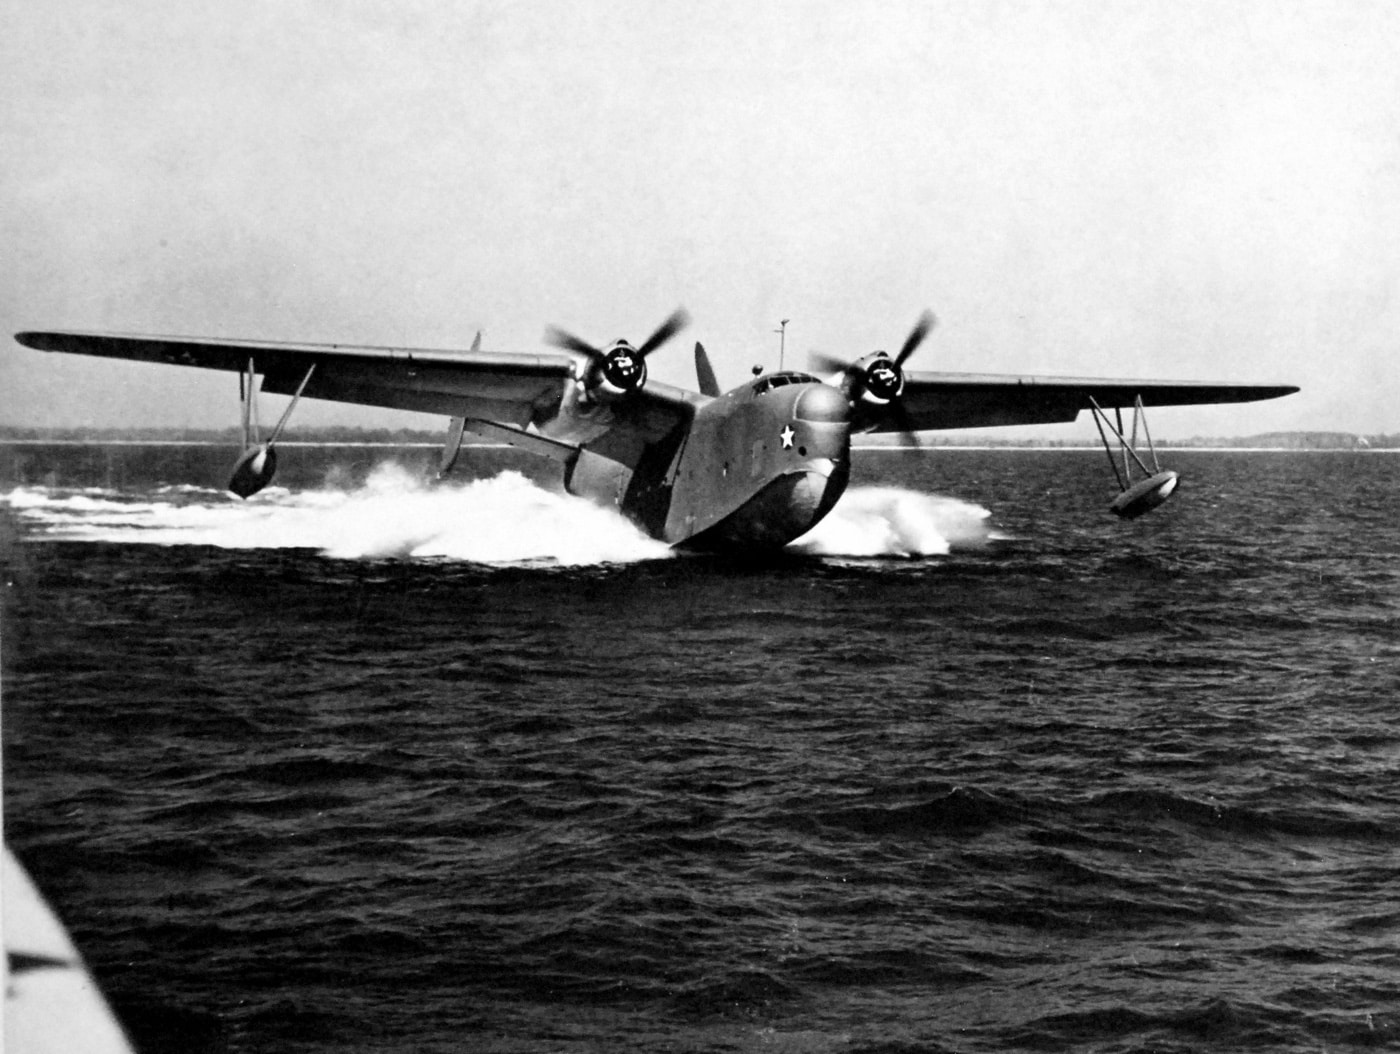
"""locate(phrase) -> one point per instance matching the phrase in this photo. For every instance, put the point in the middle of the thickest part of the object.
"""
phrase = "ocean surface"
(369, 764)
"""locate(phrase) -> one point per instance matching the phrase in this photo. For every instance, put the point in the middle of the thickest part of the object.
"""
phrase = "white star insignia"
(786, 435)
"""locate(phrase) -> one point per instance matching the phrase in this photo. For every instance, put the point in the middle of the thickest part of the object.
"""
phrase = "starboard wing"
(933, 401)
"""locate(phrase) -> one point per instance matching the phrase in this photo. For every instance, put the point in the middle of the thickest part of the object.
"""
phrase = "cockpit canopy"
(769, 381)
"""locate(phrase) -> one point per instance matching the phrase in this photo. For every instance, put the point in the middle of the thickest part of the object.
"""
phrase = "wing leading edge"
(932, 401)
(515, 389)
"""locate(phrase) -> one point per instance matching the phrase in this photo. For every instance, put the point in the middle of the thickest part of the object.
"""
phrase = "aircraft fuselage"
(754, 468)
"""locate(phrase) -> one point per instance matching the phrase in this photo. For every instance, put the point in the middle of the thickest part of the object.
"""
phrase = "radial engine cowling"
(876, 380)
(619, 370)
(616, 373)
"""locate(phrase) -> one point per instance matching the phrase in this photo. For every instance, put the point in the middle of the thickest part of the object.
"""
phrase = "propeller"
(916, 337)
(618, 369)
(878, 380)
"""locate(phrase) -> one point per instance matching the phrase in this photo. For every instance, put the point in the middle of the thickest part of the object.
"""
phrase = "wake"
(506, 519)
(892, 521)
(503, 520)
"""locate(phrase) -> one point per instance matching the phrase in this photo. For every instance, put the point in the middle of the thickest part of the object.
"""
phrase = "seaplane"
(748, 469)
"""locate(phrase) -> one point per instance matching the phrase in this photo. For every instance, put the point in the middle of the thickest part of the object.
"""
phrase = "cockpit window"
(769, 381)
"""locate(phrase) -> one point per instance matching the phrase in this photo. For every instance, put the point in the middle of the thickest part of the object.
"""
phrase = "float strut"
(287, 413)
(1134, 499)
(258, 463)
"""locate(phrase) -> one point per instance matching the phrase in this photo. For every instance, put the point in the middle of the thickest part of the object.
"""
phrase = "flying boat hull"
(780, 512)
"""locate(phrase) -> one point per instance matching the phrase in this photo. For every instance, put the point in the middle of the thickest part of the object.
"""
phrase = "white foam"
(506, 519)
(892, 521)
(503, 520)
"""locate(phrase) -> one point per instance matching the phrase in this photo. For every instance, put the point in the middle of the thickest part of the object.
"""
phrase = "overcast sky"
(1154, 189)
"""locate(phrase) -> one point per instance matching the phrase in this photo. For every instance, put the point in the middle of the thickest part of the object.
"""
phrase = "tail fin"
(705, 372)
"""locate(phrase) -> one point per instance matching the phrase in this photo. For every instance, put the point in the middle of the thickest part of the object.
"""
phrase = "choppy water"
(374, 766)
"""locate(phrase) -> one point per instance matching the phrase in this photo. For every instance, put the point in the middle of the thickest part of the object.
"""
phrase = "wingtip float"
(257, 464)
(1134, 499)
(1144, 496)
(253, 471)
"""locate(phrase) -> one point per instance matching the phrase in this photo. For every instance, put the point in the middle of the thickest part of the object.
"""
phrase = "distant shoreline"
(226, 443)
(1161, 448)
(410, 444)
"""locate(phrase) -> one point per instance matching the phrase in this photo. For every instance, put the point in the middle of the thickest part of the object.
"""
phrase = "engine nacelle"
(616, 373)
(875, 380)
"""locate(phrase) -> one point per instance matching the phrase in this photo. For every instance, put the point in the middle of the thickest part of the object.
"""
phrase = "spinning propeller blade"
(569, 342)
(877, 379)
(906, 427)
(620, 369)
(679, 319)
(820, 362)
(916, 337)
(911, 344)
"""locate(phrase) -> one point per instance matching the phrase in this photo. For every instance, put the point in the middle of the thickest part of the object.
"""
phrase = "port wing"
(507, 387)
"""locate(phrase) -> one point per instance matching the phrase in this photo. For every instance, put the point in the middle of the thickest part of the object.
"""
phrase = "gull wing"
(497, 386)
(969, 400)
